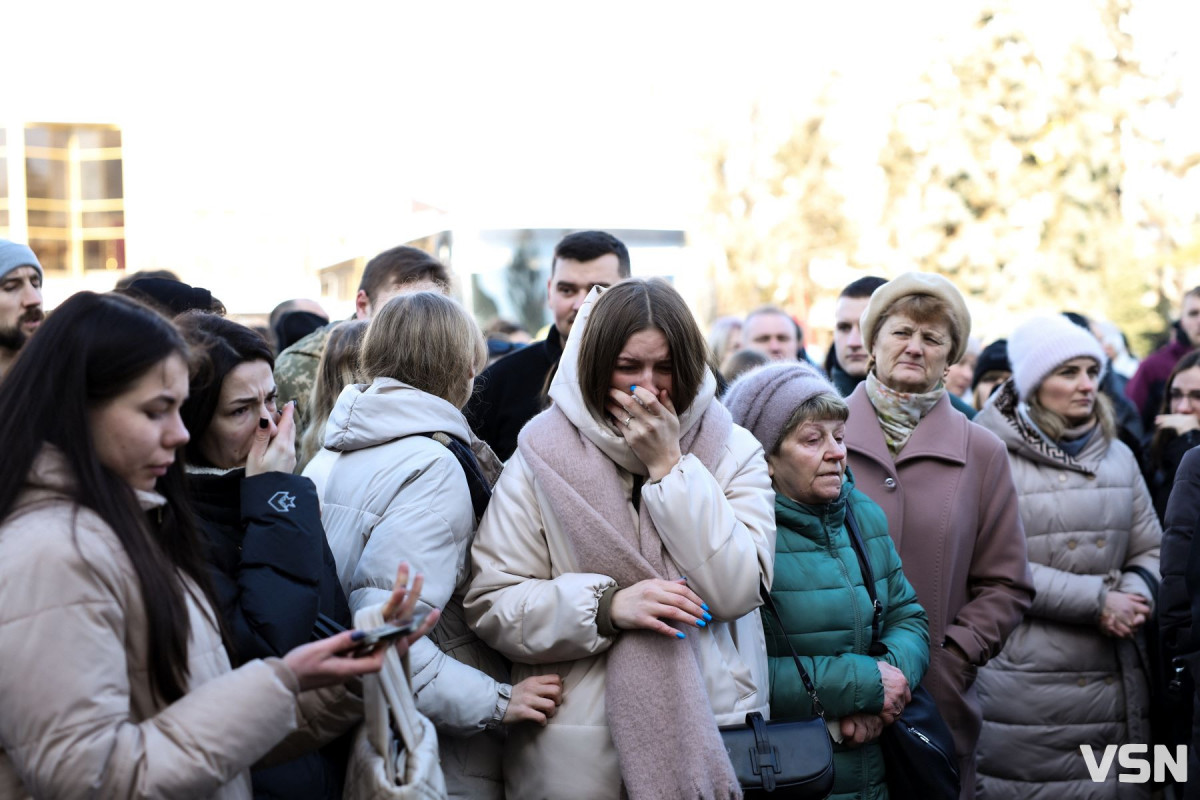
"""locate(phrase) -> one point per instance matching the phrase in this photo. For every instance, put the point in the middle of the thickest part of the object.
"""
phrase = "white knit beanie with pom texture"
(1039, 345)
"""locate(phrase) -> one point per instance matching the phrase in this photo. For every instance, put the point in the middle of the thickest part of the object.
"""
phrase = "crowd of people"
(194, 512)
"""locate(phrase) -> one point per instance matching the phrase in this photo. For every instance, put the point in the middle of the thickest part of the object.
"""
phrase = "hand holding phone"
(367, 642)
(336, 659)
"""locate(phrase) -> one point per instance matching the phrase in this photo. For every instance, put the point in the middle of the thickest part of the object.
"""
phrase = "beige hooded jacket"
(528, 600)
(393, 494)
(77, 715)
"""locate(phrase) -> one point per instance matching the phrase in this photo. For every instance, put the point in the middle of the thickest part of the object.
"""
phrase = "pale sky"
(288, 133)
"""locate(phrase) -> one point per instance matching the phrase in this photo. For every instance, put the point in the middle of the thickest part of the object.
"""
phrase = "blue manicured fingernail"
(704, 606)
(357, 635)
(680, 635)
(633, 388)
(708, 616)
(701, 623)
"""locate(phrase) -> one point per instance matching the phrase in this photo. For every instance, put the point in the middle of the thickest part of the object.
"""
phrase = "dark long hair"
(1164, 436)
(91, 349)
(218, 345)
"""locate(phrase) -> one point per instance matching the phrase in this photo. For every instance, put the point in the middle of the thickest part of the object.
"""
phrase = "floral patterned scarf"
(899, 412)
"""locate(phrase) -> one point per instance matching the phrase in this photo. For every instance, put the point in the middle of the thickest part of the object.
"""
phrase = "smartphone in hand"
(385, 635)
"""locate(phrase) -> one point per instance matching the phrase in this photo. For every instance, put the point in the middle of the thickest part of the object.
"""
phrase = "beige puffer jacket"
(77, 715)
(528, 599)
(393, 494)
(1059, 682)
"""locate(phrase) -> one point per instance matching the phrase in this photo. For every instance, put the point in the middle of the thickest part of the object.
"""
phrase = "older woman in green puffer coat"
(824, 607)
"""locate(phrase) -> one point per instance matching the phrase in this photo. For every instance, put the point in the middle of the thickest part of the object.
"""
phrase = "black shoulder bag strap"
(877, 648)
(481, 494)
(481, 490)
(818, 709)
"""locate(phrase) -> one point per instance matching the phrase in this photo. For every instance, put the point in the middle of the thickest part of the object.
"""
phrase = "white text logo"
(1137, 768)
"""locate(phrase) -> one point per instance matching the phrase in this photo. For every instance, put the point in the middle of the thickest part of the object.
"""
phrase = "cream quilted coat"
(1059, 682)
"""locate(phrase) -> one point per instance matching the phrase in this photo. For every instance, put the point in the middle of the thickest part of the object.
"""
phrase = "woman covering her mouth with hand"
(623, 549)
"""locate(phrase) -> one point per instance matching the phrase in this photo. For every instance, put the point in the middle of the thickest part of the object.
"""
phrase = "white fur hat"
(1040, 344)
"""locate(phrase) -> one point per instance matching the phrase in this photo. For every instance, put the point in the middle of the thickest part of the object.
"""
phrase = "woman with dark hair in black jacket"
(274, 577)
(1176, 429)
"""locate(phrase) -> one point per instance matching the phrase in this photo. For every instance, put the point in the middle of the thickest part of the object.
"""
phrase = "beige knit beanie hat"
(911, 283)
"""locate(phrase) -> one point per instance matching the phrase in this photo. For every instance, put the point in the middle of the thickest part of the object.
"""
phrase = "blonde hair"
(1054, 425)
(428, 341)
(718, 336)
(337, 369)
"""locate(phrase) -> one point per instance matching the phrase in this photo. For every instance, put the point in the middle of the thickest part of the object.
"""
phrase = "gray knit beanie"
(1039, 345)
(13, 255)
(763, 400)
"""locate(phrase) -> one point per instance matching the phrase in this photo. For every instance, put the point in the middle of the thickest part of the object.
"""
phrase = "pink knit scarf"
(659, 714)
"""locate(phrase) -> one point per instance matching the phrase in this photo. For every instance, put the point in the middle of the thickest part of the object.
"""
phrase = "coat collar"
(367, 415)
(1001, 417)
(941, 434)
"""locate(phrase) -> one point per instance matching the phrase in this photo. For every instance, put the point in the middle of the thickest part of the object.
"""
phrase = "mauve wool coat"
(952, 512)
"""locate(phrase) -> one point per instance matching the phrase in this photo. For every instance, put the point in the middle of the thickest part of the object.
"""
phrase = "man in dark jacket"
(846, 362)
(396, 271)
(511, 391)
(1145, 388)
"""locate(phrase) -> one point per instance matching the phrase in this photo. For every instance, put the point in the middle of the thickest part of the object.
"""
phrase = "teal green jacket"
(826, 613)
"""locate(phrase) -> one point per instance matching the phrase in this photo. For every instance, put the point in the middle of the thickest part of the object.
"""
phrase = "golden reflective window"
(74, 204)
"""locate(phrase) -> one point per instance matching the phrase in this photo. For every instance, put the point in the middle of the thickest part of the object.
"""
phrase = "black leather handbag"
(918, 753)
(918, 748)
(782, 758)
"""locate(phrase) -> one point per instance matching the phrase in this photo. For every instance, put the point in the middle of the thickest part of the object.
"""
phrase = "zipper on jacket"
(859, 647)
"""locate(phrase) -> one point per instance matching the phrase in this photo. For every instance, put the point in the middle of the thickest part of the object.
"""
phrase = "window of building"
(74, 196)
